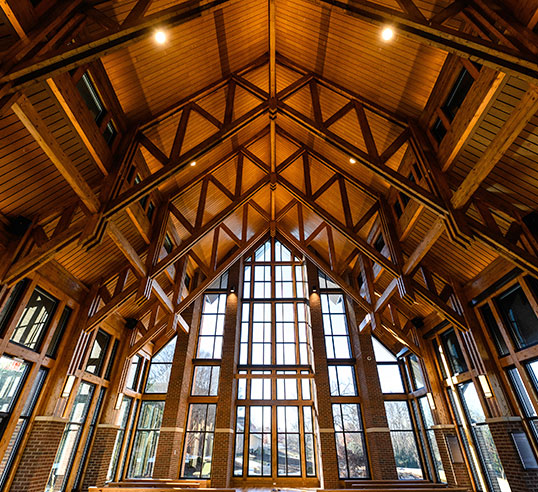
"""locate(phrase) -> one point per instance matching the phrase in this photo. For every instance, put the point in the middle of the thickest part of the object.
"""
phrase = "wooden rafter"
(113, 202)
(497, 52)
(106, 41)
(461, 227)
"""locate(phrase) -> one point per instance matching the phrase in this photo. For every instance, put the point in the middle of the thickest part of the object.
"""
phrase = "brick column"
(520, 480)
(223, 446)
(457, 474)
(107, 428)
(38, 455)
(328, 459)
(103, 446)
(167, 458)
(382, 464)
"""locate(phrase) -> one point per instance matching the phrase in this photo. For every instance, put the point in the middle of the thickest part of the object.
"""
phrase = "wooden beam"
(509, 132)
(125, 247)
(106, 42)
(429, 298)
(520, 62)
(30, 118)
(77, 112)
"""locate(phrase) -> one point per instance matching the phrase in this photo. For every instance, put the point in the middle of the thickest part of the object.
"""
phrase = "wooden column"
(328, 469)
(223, 446)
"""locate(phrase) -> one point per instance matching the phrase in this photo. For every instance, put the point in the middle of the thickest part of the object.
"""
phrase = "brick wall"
(457, 474)
(168, 455)
(100, 456)
(38, 455)
(520, 480)
(382, 464)
(329, 478)
(221, 467)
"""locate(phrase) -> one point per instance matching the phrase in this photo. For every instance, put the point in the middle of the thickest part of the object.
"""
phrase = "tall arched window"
(274, 412)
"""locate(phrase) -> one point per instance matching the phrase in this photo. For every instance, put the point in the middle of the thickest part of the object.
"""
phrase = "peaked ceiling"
(271, 100)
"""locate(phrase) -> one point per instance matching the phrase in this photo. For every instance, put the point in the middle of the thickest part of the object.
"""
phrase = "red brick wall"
(457, 474)
(520, 480)
(221, 467)
(38, 456)
(169, 447)
(100, 456)
(329, 478)
(382, 464)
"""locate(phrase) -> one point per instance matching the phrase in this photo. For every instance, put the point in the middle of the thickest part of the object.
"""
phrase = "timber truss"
(243, 207)
(482, 31)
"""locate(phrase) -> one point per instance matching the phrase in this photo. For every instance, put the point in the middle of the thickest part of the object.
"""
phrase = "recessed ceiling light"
(387, 34)
(352, 161)
(160, 37)
(193, 163)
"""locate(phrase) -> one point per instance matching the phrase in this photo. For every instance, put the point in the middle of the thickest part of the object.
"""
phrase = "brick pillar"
(103, 446)
(520, 480)
(382, 464)
(223, 446)
(328, 459)
(167, 458)
(457, 474)
(38, 455)
(107, 428)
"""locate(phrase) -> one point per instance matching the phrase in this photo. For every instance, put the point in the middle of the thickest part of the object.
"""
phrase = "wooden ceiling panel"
(148, 77)
(447, 257)
(515, 177)
(259, 76)
(29, 180)
(399, 75)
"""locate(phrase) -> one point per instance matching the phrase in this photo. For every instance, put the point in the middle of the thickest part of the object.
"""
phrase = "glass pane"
(493, 328)
(416, 370)
(519, 317)
(166, 354)
(406, 455)
(453, 352)
(98, 353)
(521, 391)
(12, 374)
(390, 378)
(69, 442)
(342, 381)
(32, 325)
(146, 438)
(398, 415)
(356, 455)
(205, 380)
(158, 378)
(472, 403)
(381, 353)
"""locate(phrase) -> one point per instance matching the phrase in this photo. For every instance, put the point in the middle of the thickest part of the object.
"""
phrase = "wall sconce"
(68, 386)
(232, 289)
(431, 401)
(486, 388)
(314, 289)
(119, 400)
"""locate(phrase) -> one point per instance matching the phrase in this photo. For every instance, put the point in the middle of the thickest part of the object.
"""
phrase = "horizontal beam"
(523, 64)
(107, 42)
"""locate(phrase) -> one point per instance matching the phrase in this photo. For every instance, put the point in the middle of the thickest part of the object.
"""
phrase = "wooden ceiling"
(270, 100)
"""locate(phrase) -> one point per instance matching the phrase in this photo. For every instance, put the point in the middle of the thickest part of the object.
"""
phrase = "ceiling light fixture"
(193, 163)
(387, 34)
(160, 37)
(352, 161)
